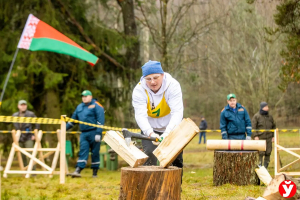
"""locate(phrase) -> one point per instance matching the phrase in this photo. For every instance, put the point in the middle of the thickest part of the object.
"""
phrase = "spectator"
(235, 121)
(203, 127)
(263, 120)
(26, 139)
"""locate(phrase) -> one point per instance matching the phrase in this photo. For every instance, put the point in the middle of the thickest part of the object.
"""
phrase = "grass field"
(197, 179)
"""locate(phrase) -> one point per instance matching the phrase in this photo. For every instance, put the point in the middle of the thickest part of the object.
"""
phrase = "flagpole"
(8, 75)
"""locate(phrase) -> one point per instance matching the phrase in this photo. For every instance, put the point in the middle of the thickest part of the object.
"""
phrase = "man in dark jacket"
(89, 111)
(26, 139)
(262, 120)
(203, 127)
(235, 121)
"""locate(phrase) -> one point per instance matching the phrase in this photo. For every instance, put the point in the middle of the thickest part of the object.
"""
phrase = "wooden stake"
(10, 157)
(34, 153)
(55, 158)
(16, 138)
(62, 149)
(277, 164)
(32, 158)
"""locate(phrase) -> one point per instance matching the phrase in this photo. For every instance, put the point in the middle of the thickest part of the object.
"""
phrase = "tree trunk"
(150, 182)
(235, 167)
(130, 30)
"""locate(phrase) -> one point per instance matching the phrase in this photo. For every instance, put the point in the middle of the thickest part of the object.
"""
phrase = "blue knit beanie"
(152, 67)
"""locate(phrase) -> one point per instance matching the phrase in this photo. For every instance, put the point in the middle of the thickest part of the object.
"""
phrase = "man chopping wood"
(158, 106)
(263, 120)
(235, 121)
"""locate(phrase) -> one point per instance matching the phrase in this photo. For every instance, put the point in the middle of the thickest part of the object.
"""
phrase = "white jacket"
(173, 96)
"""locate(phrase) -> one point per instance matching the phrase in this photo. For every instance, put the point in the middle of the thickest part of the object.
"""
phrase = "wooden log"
(150, 182)
(272, 191)
(132, 155)
(235, 167)
(173, 145)
(258, 145)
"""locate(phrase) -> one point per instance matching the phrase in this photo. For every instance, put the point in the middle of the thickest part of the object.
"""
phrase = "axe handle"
(143, 137)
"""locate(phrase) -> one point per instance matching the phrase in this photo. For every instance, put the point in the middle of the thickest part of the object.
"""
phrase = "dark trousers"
(202, 134)
(264, 156)
(149, 147)
(87, 142)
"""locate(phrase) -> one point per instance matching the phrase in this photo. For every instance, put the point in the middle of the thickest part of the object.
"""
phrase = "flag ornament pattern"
(39, 36)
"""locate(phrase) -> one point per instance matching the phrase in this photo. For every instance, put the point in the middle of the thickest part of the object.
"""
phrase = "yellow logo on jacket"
(161, 110)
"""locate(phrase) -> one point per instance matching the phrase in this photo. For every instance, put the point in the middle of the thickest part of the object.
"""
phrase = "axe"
(128, 135)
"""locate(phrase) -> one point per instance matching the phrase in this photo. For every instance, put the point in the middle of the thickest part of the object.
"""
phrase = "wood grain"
(173, 145)
(132, 155)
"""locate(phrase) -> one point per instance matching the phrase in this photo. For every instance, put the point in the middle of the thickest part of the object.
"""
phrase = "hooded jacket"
(172, 91)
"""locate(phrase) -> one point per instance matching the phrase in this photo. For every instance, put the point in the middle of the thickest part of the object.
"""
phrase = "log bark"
(235, 167)
(150, 182)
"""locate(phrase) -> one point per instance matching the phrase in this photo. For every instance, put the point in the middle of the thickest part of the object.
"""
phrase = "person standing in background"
(263, 120)
(26, 139)
(203, 127)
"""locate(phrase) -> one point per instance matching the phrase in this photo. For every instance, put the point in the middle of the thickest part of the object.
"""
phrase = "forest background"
(212, 47)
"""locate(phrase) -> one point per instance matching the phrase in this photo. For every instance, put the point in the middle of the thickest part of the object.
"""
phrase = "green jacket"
(263, 122)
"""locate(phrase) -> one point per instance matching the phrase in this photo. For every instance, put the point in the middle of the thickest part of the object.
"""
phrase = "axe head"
(127, 136)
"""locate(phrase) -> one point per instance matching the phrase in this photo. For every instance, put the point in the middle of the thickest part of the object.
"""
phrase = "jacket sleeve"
(100, 117)
(254, 126)
(37, 126)
(139, 103)
(273, 123)
(205, 125)
(74, 116)
(223, 125)
(248, 124)
(176, 105)
(16, 125)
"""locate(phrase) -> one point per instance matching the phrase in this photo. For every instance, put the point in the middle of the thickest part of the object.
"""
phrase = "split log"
(235, 167)
(132, 155)
(171, 146)
(272, 191)
(150, 182)
(258, 145)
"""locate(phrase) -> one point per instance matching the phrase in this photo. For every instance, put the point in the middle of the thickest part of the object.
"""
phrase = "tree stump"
(150, 182)
(235, 167)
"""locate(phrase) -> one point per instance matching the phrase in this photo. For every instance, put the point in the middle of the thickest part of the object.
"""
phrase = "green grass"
(197, 179)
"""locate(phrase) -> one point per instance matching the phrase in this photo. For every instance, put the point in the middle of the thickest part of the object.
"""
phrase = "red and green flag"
(39, 36)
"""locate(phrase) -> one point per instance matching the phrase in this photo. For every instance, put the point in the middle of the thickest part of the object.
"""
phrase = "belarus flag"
(39, 36)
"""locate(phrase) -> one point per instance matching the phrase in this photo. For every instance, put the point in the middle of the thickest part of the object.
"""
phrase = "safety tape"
(30, 120)
(47, 132)
(67, 119)
(36, 120)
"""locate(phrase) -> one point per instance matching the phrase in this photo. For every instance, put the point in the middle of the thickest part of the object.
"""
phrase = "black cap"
(263, 104)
